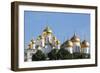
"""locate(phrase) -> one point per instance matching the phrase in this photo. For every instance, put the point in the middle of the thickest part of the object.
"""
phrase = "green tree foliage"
(39, 55)
(80, 56)
(56, 54)
(64, 54)
(85, 56)
(53, 54)
(77, 55)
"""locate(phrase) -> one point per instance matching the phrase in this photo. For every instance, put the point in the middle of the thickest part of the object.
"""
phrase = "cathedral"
(47, 41)
(44, 42)
(74, 45)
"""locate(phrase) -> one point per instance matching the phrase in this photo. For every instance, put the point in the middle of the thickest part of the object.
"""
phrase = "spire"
(74, 33)
(84, 37)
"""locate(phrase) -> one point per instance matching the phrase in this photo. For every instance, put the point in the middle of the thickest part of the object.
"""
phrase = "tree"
(53, 54)
(81, 56)
(64, 54)
(39, 55)
(85, 56)
(77, 55)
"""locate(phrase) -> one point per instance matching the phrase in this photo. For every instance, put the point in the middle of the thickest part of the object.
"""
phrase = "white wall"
(5, 40)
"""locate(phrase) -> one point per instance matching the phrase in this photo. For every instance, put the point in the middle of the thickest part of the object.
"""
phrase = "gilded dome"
(54, 38)
(75, 38)
(39, 37)
(30, 45)
(57, 42)
(44, 33)
(47, 30)
(69, 43)
(33, 41)
(84, 44)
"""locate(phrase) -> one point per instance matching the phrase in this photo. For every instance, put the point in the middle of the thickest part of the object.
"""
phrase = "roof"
(47, 29)
(67, 43)
(57, 42)
(75, 38)
(84, 44)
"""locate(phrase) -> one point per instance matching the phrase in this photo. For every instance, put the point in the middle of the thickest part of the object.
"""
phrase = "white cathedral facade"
(47, 41)
(44, 42)
(74, 45)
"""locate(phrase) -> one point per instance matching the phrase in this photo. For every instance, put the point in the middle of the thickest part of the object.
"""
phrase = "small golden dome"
(30, 45)
(44, 33)
(39, 37)
(57, 42)
(69, 43)
(54, 38)
(84, 44)
(33, 41)
(47, 30)
(75, 38)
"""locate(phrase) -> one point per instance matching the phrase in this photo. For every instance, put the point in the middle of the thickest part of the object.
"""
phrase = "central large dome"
(47, 30)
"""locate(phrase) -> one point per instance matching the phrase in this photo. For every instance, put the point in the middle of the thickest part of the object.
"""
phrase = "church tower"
(48, 33)
(30, 51)
(30, 45)
(57, 44)
(54, 39)
(33, 44)
(41, 41)
(76, 43)
(85, 47)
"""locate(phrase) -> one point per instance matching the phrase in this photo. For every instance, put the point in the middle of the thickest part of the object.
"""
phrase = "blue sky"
(63, 25)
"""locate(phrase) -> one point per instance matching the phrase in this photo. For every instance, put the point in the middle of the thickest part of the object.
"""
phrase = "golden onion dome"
(47, 30)
(69, 43)
(84, 44)
(57, 42)
(30, 45)
(44, 33)
(54, 38)
(75, 38)
(38, 38)
(33, 41)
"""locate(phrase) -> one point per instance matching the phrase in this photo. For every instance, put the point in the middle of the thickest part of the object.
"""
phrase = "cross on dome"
(75, 38)
(47, 29)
